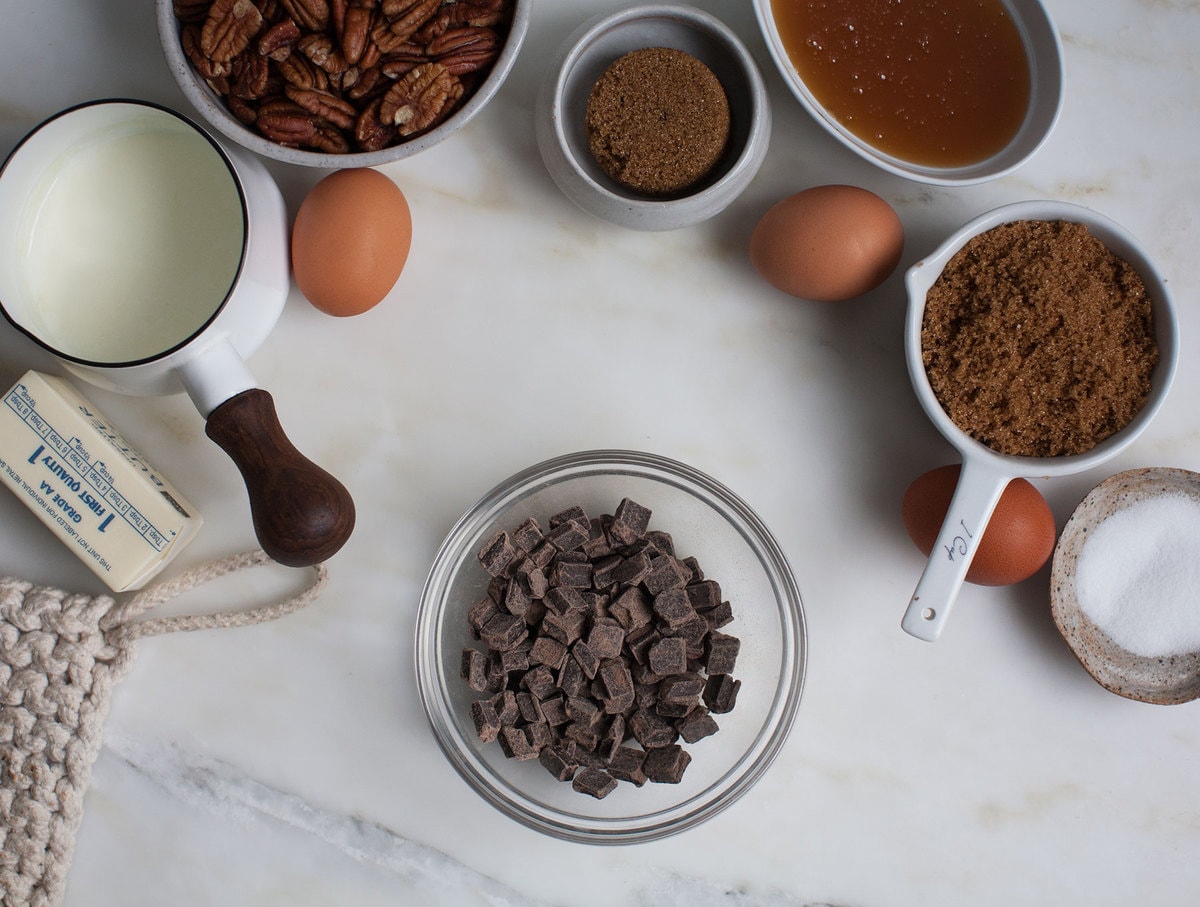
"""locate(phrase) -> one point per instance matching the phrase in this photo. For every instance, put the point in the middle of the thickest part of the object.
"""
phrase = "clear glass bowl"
(706, 520)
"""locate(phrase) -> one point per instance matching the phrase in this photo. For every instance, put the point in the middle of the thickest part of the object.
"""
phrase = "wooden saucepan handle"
(302, 515)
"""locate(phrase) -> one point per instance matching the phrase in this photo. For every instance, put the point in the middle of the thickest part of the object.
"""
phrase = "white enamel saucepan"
(985, 473)
(149, 259)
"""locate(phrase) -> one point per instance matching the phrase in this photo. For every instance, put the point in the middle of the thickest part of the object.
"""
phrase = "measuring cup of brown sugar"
(1020, 398)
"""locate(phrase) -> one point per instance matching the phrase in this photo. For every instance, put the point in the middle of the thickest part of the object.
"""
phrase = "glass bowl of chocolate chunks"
(610, 647)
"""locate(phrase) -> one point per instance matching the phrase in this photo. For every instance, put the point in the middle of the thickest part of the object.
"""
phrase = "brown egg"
(827, 243)
(350, 241)
(1019, 537)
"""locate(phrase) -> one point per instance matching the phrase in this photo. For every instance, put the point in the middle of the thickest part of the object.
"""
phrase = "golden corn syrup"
(940, 83)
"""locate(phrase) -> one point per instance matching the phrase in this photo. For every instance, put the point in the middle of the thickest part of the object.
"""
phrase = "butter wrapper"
(101, 498)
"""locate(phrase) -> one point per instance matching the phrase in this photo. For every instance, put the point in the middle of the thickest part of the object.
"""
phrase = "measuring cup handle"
(975, 497)
(302, 514)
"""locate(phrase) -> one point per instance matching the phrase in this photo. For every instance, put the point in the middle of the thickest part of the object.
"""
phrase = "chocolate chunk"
(720, 693)
(582, 710)
(504, 631)
(719, 616)
(606, 638)
(665, 573)
(573, 513)
(474, 669)
(618, 685)
(666, 764)
(554, 710)
(697, 725)
(549, 652)
(632, 570)
(575, 575)
(481, 612)
(630, 520)
(539, 681)
(543, 554)
(673, 608)
(528, 535)
(487, 722)
(640, 641)
(517, 597)
(721, 653)
(602, 571)
(497, 553)
(693, 568)
(594, 782)
(562, 599)
(535, 578)
(668, 656)
(626, 765)
(685, 687)
(529, 707)
(515, 744)
(569, 535)
(571, 680)
(612, 738)
(505, 704)
(704, 595)
(566, 628)
(650, 730)
(631, 608)
(662, 541)
(588, 660)
(557, 762)
(540, 735)
(516, 660)
(585, 735)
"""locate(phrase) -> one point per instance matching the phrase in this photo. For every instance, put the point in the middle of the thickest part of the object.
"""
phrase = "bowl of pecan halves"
(340, 83)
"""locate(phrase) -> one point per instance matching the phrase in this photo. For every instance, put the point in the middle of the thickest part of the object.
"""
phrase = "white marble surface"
(291, 763)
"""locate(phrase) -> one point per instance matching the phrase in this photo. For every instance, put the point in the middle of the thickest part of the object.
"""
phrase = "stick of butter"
(61, 457)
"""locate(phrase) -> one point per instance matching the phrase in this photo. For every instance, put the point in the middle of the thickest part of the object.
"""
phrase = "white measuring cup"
(149, 259)
(985, 473)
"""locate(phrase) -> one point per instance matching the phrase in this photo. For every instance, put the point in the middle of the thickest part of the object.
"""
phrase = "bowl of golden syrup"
(943, 93)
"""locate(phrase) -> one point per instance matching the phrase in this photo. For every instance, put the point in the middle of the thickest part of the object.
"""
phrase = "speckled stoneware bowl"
(1163, 680)
(209, 105)
(588, 52)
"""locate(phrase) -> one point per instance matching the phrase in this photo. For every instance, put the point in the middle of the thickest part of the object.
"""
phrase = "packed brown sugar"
(1039, 341)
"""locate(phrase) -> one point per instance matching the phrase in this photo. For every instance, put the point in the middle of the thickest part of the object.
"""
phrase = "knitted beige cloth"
(60, 656)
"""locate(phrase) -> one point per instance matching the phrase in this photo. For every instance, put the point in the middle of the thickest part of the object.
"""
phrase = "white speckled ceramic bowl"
(1044, 50)
(1163, 679)
(562, 102)
(985, 473)
(214, 111)
(707, 521)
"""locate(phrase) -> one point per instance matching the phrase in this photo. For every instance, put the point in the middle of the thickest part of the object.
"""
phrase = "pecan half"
(298, 70)
(189, 40)
(312, 15)
(467, 49)
(285, 122)
(356, 32)
(278, 40)
(251, 76)
(339, 112)
(370, 132)
(406, 16)
(420, 99)
(229, 28)
(328, 138)
(403, 61)
(321, 50)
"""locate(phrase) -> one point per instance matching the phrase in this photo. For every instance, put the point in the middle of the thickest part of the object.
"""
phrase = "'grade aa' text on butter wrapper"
(101, 498)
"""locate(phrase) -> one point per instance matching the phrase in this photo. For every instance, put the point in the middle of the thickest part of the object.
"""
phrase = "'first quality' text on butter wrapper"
(77, 473)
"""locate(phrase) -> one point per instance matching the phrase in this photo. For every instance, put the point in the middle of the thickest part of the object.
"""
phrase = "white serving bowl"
(1044, 51)
(215, 112)
(562, 102)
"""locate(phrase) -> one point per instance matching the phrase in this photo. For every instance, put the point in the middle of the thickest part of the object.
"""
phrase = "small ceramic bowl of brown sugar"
(653, 118)
(1041, 339)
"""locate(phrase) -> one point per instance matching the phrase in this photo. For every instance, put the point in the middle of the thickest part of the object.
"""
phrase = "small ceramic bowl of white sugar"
(1125, 584)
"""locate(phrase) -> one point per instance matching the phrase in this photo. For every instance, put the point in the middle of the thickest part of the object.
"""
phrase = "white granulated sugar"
(1138, 576)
